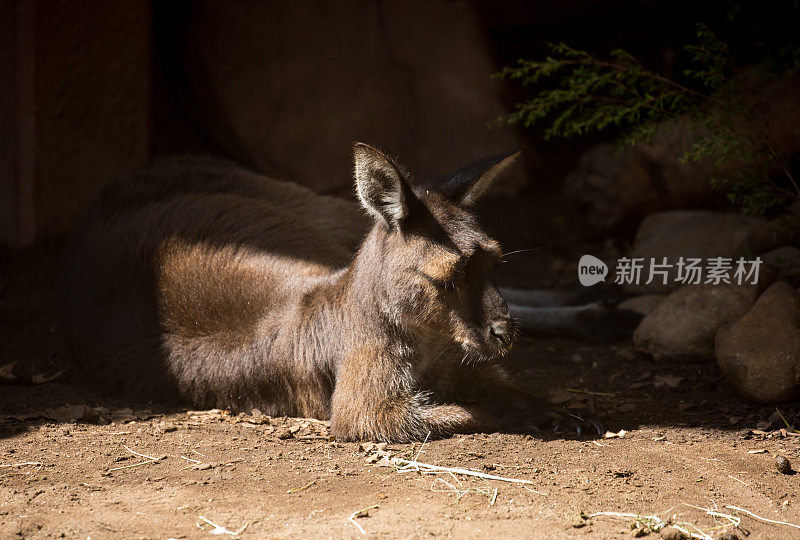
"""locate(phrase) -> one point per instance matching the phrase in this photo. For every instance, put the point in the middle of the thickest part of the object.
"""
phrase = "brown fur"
(197, 281)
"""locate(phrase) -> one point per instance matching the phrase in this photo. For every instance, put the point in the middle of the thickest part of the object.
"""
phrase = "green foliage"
(578, 93)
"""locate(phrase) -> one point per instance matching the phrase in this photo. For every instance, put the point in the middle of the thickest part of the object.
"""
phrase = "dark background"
(91, 90)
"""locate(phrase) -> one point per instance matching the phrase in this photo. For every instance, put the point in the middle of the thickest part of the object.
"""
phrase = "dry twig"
(732, 520)
(738, 480)
(361, 513)
(766, 520)
(139, 454)
(23, 464)
(413, 465)
(655, 523)
(588, 392)
(295, 490)
(535, 491)
(148, 459)
(219, 529)
(789, 428)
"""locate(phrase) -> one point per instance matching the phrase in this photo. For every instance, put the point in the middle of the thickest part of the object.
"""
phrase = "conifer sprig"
(579, 94)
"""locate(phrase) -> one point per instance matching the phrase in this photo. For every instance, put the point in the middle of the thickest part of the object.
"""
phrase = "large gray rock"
(773, 234)
(786, 263)
(687, 233)
(760, 352)
(682, 326)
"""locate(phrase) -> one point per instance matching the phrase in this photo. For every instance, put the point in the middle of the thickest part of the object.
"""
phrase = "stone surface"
(760, 352)
(288, 87)
(786, 263)
(617, 188)
(683, 325)
(687, 233)
(778, 232)
(643, 304)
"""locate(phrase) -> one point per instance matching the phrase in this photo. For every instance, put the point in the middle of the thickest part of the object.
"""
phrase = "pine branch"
(588, 94)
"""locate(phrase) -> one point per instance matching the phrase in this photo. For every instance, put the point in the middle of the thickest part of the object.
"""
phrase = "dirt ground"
(77, 464)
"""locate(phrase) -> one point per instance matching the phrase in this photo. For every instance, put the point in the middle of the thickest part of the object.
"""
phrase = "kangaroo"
(196, 281)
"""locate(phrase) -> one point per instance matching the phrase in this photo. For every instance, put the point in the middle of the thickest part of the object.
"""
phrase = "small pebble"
(783, 465)
(671, 533)
(728, 536)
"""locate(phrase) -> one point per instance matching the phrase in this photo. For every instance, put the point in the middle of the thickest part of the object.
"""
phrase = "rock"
(66, 413)
(683, 325)
(284, 433)
(615, 188)
(783, 465)
(643, 304)
(687, 233)
(773, 234)
(288, 87)
(760, 352)
(786, 263)
(369, 447)
(671, 533)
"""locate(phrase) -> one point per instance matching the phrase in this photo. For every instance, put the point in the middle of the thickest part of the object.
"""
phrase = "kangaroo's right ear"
(381, 186)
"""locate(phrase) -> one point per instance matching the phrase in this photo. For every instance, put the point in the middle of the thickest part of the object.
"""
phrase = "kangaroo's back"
(186, 257)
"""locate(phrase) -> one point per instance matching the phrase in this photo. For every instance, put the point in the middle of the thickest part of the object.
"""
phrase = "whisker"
(520, 251)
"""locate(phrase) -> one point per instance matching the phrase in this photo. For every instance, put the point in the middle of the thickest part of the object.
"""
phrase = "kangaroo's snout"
(501, 330)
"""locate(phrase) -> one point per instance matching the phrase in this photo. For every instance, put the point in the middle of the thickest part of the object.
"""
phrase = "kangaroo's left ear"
(469, 183)
(382, 187)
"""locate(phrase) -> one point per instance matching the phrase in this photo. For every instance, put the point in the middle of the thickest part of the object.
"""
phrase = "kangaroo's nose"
(501, 331)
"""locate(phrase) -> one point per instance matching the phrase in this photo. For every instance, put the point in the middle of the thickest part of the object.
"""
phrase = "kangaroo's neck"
(353, 312)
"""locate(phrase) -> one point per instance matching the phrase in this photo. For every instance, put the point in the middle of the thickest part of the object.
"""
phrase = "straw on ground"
(148, 459)
(219, 529)
(361, 513)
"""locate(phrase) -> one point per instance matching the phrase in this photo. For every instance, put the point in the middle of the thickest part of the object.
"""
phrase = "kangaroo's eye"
(458, 272)
(442, 283)
(449, 285)
(451, 281)
(444, 273)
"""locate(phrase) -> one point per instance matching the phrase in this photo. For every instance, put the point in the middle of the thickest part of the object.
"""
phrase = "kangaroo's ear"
(469, 183)
(381, 186)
